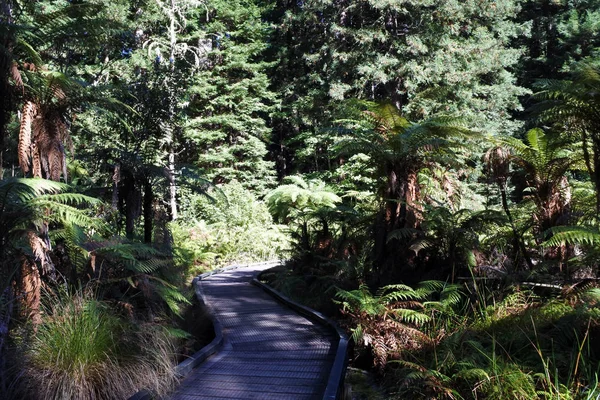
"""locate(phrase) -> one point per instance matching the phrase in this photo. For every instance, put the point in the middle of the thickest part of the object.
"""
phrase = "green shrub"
(231, 226)
(84, 351)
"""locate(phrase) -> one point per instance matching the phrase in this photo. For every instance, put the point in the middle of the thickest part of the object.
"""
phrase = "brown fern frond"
(58, 92)
(380, 352)
(16, 76)
(64, 163)
(38, 247)
(24, 148)
(410, 304)
(44, 162)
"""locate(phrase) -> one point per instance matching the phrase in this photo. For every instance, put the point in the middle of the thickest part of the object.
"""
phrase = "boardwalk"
(269, 351)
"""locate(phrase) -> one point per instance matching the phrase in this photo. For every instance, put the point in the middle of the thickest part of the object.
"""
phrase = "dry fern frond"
(36, 161)
(24, 149)
(16, 76)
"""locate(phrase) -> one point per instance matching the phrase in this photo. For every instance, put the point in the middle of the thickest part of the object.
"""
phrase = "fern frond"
(358, 334)
(414, 317)
(403, 234)
(563, 235)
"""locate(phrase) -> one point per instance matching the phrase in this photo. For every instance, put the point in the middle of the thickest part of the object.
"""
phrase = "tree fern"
(300, 198)
(575, 103)
(563, 235)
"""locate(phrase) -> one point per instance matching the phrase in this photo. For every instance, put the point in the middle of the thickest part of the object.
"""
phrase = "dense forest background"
(429, 169)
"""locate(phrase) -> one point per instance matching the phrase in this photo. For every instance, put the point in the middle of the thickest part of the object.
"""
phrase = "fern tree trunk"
(130, 201)
(518, 236)
(400, 196)
(592, 162)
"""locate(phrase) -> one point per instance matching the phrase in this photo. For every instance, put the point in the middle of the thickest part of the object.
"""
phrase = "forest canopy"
(428, 169)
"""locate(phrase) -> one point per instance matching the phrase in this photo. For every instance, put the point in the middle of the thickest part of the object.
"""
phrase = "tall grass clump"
(83, 350)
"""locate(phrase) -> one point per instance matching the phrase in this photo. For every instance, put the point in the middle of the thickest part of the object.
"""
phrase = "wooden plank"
(261, 387)
(243, 395)
(243, 380)
(270, 351)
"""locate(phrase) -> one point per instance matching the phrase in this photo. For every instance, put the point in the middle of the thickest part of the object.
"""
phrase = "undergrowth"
(443, 341)
(231, 225)
(523, 347)
(84, 350)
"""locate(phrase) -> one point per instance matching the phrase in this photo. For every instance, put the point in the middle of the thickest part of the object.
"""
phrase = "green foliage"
(189, 106)
(151, 273)
(230, 100)
(525, 347)
(428, 58)
(232, 226)
(300, 198)
(27, 206)
(83, 350)
(379, 321)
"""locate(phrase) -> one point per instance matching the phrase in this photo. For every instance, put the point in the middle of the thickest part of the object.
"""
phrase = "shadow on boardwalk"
(269, 351)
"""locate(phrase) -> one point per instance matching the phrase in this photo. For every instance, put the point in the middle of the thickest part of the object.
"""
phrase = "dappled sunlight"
(269, 351)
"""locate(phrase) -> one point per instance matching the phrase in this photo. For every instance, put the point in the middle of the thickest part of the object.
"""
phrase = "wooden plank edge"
(185, 367)
(335, 382)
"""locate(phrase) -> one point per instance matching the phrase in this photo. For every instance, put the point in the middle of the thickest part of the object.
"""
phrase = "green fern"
(569, 235)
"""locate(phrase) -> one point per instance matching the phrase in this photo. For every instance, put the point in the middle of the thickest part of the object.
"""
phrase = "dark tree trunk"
(6, 64)
(518, 237)
(130, 204)
(7, 298)
(595, 175)
(148, 211)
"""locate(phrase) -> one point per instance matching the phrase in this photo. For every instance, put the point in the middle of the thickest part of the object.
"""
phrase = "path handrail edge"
(185, 367)
(338, 370)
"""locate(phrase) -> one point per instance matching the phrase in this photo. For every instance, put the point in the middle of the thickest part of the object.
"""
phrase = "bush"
(231, 226)
(84, 351)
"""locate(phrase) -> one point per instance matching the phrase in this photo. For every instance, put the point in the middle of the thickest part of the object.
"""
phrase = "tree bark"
(148, 211)
(596, 175)
(172, 184)
(116, 178)
(518, 236)
(6, 63)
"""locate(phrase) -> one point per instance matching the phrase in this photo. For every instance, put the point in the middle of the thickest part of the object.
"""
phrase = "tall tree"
(556, 34)
(425, 57)
(9, 76)
(230, 102)
(182, 56)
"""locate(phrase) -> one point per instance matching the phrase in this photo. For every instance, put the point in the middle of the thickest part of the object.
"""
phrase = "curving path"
(269, 351)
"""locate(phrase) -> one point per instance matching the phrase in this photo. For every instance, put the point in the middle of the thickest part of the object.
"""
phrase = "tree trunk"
(596, 174)
(172, 101)
(130, 199)
(6, 64)
(116, 178)
(518, 237)
(30, 288)
(172, 185)
(6, 298)
(148, 211)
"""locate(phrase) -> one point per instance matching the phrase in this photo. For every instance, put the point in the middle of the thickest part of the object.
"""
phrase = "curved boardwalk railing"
(268, 351)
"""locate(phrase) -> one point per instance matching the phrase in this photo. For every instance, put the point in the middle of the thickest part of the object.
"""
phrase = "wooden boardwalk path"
(269, 351)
